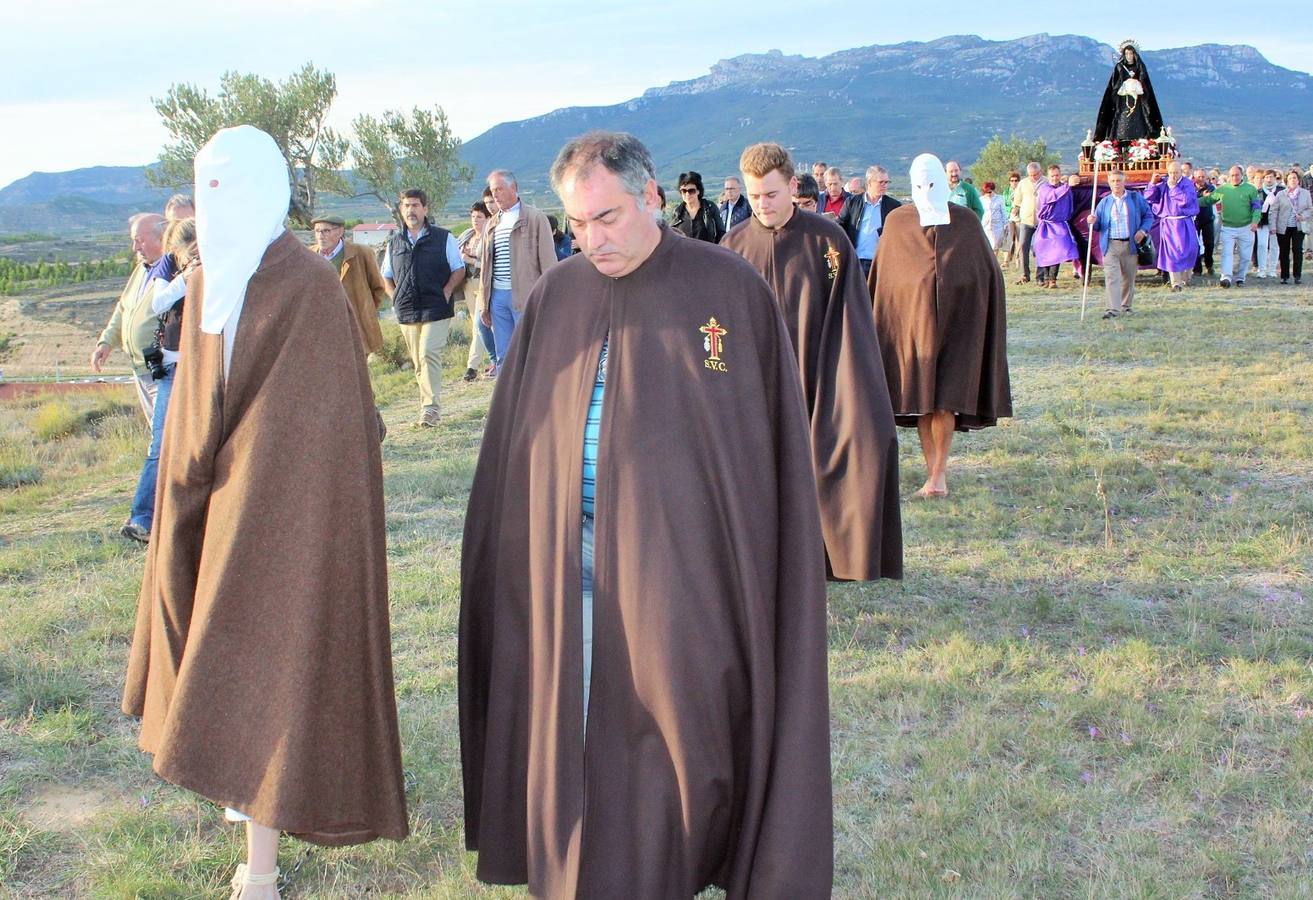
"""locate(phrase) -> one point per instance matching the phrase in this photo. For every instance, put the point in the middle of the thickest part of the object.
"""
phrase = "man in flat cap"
(360, 277)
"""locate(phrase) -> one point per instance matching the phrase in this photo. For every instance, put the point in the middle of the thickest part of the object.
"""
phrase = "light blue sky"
(77, 87)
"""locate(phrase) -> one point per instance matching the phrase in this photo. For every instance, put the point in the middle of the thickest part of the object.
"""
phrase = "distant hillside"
(852, 108)
(888, 103)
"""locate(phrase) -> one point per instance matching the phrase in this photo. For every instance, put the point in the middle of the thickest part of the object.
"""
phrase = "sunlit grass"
(1095, 680)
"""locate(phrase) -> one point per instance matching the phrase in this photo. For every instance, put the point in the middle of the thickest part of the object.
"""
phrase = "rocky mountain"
(888, 103)
(882, 103)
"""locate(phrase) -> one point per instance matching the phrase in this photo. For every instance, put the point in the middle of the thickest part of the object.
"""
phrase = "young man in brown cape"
(812, 268)
(643, 690)
(261, 661)
(941, 318)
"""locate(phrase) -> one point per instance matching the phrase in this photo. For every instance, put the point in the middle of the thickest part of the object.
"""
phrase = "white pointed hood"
(930, 189)
(241, 203)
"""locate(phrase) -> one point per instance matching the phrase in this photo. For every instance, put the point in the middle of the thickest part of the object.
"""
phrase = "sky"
(82, 96)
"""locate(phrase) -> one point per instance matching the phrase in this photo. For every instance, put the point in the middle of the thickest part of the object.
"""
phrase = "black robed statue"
(1129, 109)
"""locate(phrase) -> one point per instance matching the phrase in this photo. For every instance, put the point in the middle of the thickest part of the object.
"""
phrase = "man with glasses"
(863, 216)
(805, 193)
(360, 276)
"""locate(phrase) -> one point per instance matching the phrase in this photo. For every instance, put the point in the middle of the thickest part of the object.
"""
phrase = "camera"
(154, 357)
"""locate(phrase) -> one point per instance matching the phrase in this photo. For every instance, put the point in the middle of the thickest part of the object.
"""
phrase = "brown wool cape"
(941, 317)
(812, 268)
(707, 753)
(261, 664)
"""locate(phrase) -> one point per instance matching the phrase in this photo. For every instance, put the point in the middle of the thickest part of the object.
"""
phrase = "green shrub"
(393, 356)
(56, 419)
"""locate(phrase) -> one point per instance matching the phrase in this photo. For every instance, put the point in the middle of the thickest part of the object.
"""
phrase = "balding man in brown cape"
(261, 664)
(643, 690)
(810, 264)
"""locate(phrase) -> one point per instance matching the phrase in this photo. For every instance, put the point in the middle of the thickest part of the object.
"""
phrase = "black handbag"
(1144, 252)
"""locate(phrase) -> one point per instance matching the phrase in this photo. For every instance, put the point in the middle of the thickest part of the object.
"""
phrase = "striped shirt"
(592, 430)
(501, 248)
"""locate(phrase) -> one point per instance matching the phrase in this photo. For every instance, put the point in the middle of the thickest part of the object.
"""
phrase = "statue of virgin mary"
(1129, 109)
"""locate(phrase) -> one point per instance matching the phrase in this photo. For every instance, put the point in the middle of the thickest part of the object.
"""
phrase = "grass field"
(1094, 681)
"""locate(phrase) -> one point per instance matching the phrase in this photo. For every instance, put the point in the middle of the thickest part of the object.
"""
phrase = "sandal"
(243, 877)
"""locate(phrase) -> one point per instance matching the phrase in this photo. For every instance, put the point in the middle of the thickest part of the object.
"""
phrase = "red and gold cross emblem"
(714, 332)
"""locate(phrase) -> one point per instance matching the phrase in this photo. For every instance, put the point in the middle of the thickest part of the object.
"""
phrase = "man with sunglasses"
(864, 215)
(1010, 230)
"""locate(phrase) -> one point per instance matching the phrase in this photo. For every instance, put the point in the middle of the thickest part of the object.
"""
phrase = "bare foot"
(927, 491)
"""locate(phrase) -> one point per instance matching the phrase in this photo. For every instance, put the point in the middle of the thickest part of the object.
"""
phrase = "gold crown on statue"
(1129, 42)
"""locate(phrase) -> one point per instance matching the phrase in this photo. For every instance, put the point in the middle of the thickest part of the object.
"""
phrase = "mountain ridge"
(879, 103)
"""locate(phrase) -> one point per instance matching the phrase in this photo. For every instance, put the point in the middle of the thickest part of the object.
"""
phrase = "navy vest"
(420, 272)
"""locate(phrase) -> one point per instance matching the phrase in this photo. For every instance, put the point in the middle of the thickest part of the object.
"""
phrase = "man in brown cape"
(812, 268)
(261, 662)
(941, 318)
(643, 689)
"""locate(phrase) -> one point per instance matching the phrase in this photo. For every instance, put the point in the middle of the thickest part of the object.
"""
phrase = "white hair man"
(517, 248)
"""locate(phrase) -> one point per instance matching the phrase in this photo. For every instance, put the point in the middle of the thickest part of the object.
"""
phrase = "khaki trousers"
(424, 343)
(476, 340)
(1119, 268)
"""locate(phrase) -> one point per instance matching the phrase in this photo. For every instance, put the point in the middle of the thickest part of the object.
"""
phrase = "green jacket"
(1241, 205)
(967, 195)
(132, 326)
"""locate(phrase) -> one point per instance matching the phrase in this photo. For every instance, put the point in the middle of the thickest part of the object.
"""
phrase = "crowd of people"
(1250, 218)
(693, 428)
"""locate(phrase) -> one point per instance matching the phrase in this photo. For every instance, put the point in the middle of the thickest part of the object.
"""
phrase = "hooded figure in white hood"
(261, 661)
(941, 320)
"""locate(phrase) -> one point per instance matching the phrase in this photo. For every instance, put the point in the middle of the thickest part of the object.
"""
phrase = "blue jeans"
(143, 504)
(489, 340)
(504, 320)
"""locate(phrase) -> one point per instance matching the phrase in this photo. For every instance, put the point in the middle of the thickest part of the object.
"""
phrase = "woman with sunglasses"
(693, 217)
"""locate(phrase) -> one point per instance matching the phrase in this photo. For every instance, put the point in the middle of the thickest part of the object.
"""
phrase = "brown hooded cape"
(812, 268)
(941, 317)
(707, 753)
(261, 663)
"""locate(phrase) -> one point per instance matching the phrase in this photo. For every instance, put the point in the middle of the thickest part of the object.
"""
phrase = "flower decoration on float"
(1105, 151)
(1141, 150)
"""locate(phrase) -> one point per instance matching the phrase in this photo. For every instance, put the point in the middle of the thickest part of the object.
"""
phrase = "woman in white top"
(1291, 217)
(996, 217)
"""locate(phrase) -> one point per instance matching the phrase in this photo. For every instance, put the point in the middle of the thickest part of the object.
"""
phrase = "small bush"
(56, 419)
(393, 356)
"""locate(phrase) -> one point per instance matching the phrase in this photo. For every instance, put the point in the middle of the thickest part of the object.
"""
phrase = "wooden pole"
(1089, 240)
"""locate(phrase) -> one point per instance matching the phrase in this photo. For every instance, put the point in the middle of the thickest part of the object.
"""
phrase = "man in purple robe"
(1175, 203)
(1053, 242)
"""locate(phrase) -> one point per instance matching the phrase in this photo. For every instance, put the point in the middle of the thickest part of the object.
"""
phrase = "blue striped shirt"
(1120, 229)
(592, 430)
